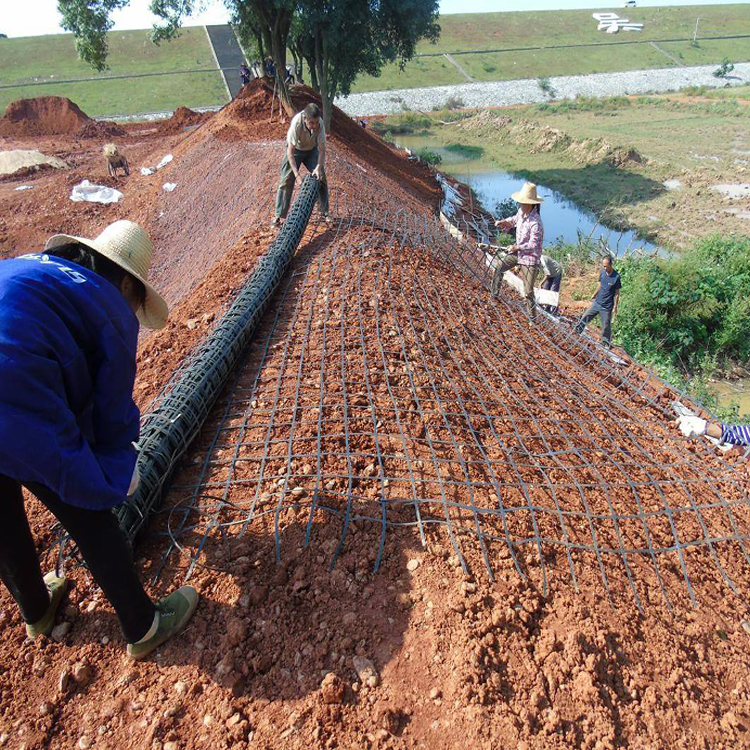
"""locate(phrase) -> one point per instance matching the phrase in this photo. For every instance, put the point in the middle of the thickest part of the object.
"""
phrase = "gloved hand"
(692, 426)
(134, 482)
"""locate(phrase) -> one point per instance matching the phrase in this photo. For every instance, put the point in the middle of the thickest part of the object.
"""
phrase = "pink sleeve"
(535, 237)
(513, 220)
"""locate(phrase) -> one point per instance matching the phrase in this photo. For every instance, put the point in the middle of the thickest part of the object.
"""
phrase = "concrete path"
(527, 91)
(228, 54)
(455, 64)
(675, 60)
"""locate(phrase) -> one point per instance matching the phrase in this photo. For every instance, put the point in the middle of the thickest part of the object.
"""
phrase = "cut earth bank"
(457, 659)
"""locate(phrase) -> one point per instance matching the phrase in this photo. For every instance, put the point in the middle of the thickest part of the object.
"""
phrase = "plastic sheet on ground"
(86, 191)
(163, 163)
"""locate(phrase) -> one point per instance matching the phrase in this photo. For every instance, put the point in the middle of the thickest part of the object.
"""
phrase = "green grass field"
(45, 59)
(48, 59)
(508, 31)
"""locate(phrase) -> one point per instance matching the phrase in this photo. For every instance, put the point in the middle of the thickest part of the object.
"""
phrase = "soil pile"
(249, 115)
(52, 115)
(13, 161)
(182, 118)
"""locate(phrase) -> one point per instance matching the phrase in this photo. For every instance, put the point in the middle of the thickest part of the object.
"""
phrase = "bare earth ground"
(454, 658)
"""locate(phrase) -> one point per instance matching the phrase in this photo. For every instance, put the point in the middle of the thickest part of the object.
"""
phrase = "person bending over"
(527, 249)
(305, 144)
(552, 277)
(68, 338)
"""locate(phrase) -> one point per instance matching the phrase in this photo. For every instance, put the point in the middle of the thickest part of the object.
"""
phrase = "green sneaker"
(174, 612)
(57, 587)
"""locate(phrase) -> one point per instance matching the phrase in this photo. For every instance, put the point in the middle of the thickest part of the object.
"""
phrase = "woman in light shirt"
(527, 250)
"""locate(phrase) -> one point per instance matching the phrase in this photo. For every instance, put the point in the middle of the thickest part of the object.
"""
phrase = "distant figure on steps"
(245, 74)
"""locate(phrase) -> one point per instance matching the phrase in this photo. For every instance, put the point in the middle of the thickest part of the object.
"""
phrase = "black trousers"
(100, 541)
(553, 284)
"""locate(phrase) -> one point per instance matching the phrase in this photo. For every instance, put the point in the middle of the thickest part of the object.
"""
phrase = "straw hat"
(527, 194)
(127, 245)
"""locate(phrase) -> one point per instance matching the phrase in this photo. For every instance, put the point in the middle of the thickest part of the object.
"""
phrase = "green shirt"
(550, 266)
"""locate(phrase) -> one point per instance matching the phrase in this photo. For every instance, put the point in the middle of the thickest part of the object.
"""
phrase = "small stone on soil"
(412, 565)
(83, 674)
(60, 631)
(366, 671)
(332, 689)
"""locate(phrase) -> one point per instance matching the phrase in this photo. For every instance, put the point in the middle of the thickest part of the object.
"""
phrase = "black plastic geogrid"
(386, 390)
(175, 421)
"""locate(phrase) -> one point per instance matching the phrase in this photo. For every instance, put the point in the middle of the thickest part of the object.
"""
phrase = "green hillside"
(145, 77)
(45, 64)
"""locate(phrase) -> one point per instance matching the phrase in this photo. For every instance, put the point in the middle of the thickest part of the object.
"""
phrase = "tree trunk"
(313, 72)
(261, 47)
(278, 53)
(321, 63)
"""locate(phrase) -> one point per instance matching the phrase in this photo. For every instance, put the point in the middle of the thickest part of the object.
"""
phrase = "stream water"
(733, 391)
(563, 219)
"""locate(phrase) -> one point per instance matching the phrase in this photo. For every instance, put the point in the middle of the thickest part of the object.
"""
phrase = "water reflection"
(731, 392)
(563, 219)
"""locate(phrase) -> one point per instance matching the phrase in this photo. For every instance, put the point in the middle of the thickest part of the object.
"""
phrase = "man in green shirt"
(305, 144)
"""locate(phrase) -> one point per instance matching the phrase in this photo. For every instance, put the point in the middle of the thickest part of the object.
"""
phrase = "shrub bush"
(408, 122)
(686, 311)
(546, 87)
(453, 102)
(429, 156)
(724, 69)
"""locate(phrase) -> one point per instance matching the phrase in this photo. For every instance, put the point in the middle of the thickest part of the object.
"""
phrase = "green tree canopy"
(339, 39)
(345, 38)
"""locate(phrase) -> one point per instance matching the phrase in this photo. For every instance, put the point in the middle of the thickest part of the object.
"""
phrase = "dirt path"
(454, 63)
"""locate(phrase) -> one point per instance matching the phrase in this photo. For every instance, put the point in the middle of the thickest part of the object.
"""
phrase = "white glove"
(134, 482)
(692, 426)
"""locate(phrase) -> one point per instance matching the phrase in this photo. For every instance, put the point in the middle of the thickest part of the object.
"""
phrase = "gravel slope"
(527, 91)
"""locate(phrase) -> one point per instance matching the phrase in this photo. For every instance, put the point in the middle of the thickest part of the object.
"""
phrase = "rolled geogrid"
(173, 424)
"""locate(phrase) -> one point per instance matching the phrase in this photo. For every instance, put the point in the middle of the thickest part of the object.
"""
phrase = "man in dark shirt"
(604, 302)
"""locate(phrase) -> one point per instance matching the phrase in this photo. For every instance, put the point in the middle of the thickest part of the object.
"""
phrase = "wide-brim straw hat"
(527, 194)
(126, 244)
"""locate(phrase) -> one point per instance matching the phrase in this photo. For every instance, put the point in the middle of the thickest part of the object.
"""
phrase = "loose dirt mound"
(249, 116)
(13, 161)
(182, 118)
(52, 115)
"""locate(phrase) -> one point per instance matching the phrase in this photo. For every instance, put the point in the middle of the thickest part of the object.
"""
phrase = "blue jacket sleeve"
(116, 417)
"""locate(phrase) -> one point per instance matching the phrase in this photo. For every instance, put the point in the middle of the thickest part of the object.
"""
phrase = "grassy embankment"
(47, 59)
(687, 316)
(491, 39)
(494, 40)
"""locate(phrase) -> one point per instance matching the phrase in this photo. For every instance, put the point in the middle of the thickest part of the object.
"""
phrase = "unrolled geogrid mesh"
(387, 388)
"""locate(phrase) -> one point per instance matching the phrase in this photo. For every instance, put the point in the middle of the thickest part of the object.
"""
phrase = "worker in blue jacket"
(68, 339)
